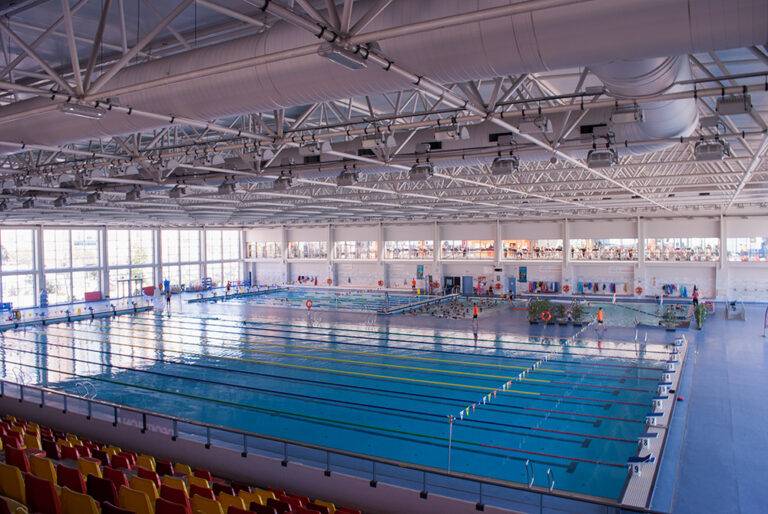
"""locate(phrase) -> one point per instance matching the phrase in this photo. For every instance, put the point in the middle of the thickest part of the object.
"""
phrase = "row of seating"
(50, 472)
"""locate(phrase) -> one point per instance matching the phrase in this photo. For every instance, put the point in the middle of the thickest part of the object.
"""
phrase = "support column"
(382, 267)
(39, 263)
(722, 275)
(640, 269)
(437, 263)
(566, 271)
(331, 264)
(104, 261)
(203, 254)
(157, 235)
(284, 253)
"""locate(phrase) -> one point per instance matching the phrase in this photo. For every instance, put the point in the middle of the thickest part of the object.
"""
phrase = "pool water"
(379, 392)
(328, 300)
(631, 314)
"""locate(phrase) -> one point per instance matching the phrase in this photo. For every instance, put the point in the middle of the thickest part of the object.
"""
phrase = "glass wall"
(222, 252)
(472, 249)
(355, 250)
(695, 249)
(181, 257)
(17, 265)
(409, 250)
(72, 263)
(264, 250)
(747, 249)
(532, 249)
(604, 249)
(308, 250)
(131, 261)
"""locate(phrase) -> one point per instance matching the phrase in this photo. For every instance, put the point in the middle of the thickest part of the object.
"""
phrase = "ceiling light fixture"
(711, 150)
(228, 187)
(134, 194)
(347, 178)
(421, 171)
(602, 158)
(341, 56)
(283, 182)
(83, 111)
(92, 198)
(451, 133)
(60, 201)
(505, 165)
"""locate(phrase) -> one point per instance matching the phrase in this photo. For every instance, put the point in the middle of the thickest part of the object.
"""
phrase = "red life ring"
(566, 288)
(498, 285)
(546, 316)
(381, 283)
(308, 303)
(329, 281)
(638, 290)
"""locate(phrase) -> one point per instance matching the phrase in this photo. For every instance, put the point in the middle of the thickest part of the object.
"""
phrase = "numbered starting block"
(671, 365)
(664, 388)
(646, 438)
(658, 402)
(680, 341)
(653, 418)
(666, 377)
(637, 463)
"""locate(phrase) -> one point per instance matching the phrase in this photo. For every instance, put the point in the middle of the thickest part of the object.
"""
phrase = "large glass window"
(129, 281)
(19, 290)
(264, 250)
(85, 248)
(180, 247)
(17, 249)
(222, 245)
(532, 249)
(409, 250)
(189, 246)
(470, 249)
(604, 249)
(308, 250)
(682, 249)
(57, 254)
(67, 251)
(747, 249)
(359, 250)
(59, 287)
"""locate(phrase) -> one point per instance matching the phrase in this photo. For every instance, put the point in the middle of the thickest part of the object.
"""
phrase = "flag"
(461, 415)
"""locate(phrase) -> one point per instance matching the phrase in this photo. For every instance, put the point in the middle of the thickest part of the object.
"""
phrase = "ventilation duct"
(269, 71)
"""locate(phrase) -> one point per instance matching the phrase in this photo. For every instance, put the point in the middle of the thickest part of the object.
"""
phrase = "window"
(19, 290)
(472, 249)
(180, 246)
(747, 249)
(213, 245)
(357, 250)
(59, 287)
(308, 250)
(532, 249)
(230, 245)
(264, 250)
(223, 272)
(705, 249)
(119, 247)
(222, 245)
(84, 282)
(17, 250)
(604, 249)
(85, 248)
(57, 253)
(129, 281)
(66, 251)
(142, 247)
(169, 242)
(409, 250)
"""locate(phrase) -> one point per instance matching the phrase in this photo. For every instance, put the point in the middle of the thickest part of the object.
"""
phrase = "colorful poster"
(522, 274)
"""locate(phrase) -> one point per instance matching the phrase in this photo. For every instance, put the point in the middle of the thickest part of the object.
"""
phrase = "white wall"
(722, 279)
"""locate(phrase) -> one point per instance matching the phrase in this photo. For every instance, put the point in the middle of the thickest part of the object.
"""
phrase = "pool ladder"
(530, 475)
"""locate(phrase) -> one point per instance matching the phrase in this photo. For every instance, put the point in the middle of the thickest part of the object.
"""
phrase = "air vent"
(365, 152)
(588, 130)
(312, 159)
(494, 138)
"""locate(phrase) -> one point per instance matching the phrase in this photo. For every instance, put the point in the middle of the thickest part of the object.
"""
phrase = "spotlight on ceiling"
(734, 104)
(421, 171)
(314, 148)
(379, 142)
(347, 178)
(505, 165)
(83, 111)
(134, 194)
(60, 201)
(283, 182)
(92, 198)
(451, 133)
(341, 56)
(711, 150)
(227, 187)
(28, 203)
(3, 206)
(602, 158)
(177, 192)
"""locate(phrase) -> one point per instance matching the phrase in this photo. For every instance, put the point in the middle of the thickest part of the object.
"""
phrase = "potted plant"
(559, 313)
(668, 319)
(577, 313)
(536, 309)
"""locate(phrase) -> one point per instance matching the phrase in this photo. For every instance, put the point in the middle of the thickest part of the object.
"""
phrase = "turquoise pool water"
(327, 300)
(378, 392)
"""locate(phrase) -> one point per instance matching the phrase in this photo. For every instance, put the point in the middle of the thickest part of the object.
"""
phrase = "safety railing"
(528, 498)
(431, 300)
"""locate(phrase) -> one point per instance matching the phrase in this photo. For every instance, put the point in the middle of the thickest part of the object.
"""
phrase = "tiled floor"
(717, 454)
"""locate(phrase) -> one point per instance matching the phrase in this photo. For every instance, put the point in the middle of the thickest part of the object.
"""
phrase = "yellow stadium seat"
(63, 442)
(12, 483)
(14, 506)
(146, 462)
(227, 501)
(202, 505)
(76, 503)
(32, 442)
(200, 482)
(111, 450)
(136, 501)
(182, 469)
(249, 498)
(265, 495)
(73, 439)
(174, 482)
(9, 418)
(18, 429)
(328, 505)
(43, 468)
(146, 486)
(88, 466)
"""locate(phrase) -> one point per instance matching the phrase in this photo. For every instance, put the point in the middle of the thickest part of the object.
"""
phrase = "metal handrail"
(208, 427)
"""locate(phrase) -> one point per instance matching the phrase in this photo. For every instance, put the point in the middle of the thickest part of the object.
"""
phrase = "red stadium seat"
(175, 496)
(51, 449)
(108, 508)
(201, 491)
(116, 476)
(254, 509)
(222, 488)
(121, 462)
(70, 453)
(102, 456)
(163, 467)
(149, 475)
(163, 506)
(18, 458)
(102, 489)
(71, 478)
(204, 474)
(279, 505)
(41, 495)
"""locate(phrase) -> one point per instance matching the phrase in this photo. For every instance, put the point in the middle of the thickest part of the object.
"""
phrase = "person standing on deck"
(600, 319)
(695, 297)
(475, 313)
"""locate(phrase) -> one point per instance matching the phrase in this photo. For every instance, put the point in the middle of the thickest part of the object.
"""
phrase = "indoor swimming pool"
(380, 392)
(353, 300)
